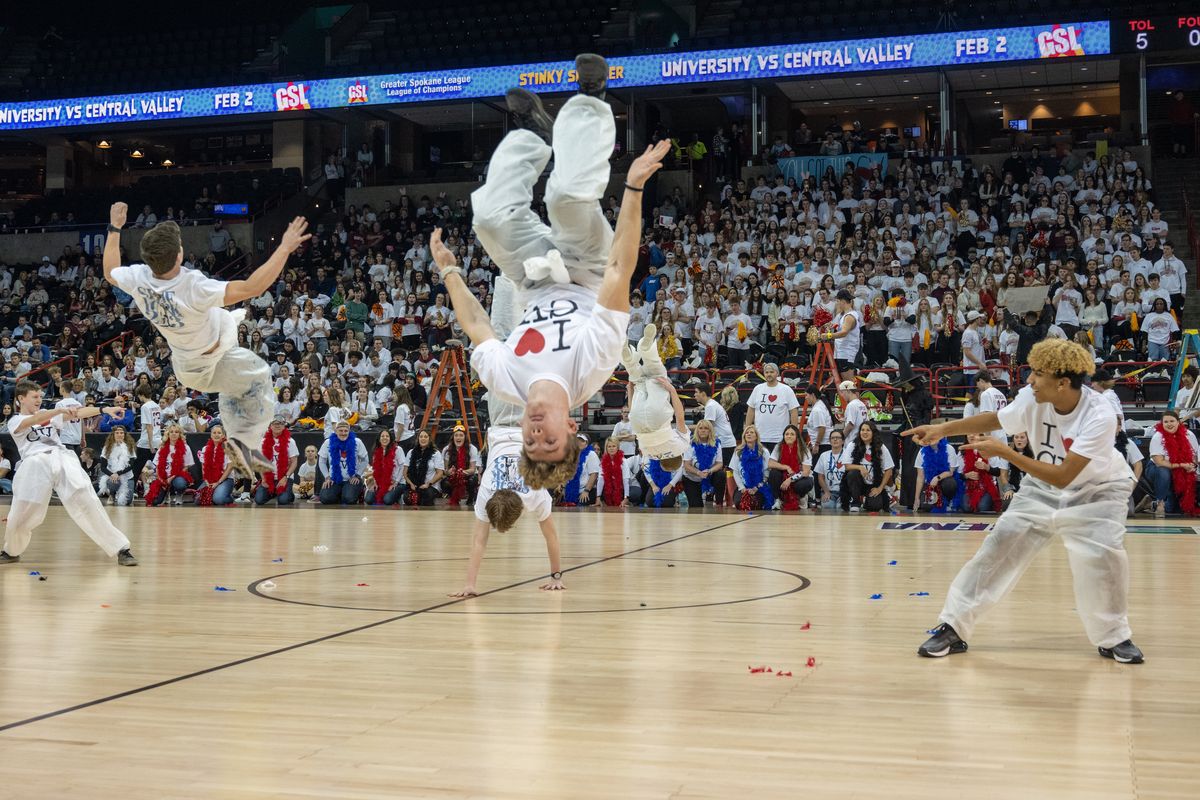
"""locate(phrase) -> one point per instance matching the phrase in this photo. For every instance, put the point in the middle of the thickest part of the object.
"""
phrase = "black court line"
(339, 634)
(803, 583)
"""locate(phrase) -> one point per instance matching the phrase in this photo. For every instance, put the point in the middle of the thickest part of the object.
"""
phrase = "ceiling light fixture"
(104, 145)
(137, 154)
(168, 163)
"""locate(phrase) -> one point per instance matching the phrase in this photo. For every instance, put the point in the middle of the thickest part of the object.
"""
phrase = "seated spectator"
(1172, 468)
(306, 476)
(343, 460)
(5, 476)
(170, 475)
(580, 490)
(791, 471)
(461, 460)
(617, 484)
(830, 472)
(981, 494)
(422, 472)
(116, 467)
(869, 467)
(387, 468)
(1011, 475)
(703, 466)
(216, 471)
(750, 473)
(280, 449)
(662, 486)
(937, 486)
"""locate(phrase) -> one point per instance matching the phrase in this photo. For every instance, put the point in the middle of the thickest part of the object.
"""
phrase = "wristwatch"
(113, 228)
(556, 576)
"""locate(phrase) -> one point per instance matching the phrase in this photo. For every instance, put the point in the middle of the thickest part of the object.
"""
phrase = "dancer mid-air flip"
(1076, 486)
(574, 274)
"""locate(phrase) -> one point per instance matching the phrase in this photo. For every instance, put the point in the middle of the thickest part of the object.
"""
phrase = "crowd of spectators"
(911, 268)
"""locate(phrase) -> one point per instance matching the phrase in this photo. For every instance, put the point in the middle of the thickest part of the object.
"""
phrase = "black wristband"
(556, 576)
(113, 228)
(632, 188)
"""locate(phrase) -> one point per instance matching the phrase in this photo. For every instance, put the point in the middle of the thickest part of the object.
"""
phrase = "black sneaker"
(5, 558)
(252, 459)
(1125, 653)
(593, 74)
(944, 642)
(528, 113)
(126, 558)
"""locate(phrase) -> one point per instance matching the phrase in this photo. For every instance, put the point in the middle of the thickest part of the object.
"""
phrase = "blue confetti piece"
(223, 589)
(276, 560)
(893, 563)
(918, 594)
(35, 572)
(876, 597)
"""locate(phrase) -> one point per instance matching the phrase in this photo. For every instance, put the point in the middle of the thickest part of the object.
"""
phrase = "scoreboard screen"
(1156, 34)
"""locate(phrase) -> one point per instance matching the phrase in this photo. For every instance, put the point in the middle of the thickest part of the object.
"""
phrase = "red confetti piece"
(756, 670)
(362, 584)
(105, 605)
(782, 674)
(806, 626)
(812, 662)
(770, 670)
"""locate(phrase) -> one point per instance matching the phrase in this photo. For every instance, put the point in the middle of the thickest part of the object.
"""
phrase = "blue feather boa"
(339, 450)
(754, 468)
(936, 460)
(661, 479)
(706, 456)
(571, 490)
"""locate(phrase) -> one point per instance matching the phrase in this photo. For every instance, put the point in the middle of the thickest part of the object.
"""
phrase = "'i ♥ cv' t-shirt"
(564, 336)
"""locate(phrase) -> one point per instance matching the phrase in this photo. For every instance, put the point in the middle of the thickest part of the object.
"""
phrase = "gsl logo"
(1059, 42)
(292, 97)
(356, 92)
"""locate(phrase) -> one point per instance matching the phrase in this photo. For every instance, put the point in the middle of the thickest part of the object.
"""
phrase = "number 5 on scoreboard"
(1001, 44)
(1142, 41)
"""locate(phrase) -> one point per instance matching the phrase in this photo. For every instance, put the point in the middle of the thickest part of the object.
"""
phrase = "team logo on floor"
(987, 526)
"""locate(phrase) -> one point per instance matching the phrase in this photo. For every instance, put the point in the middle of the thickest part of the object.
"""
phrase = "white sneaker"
(177, 500)
(778, 505)
(1160, 508)
(855, 509)
(244, 497)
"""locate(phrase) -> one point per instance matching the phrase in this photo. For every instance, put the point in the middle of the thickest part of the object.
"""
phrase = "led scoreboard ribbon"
(1156, 34)
(751, 63)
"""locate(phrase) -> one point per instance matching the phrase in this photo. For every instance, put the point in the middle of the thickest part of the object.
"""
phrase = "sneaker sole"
(961, 647)
(1119, 659)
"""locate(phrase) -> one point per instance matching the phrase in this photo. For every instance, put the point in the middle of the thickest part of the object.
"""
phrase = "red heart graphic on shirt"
(531, 341)
(1067, 443)
(772, 397)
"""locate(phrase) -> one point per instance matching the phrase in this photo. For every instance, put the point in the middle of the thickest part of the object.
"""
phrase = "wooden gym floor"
(634, 683)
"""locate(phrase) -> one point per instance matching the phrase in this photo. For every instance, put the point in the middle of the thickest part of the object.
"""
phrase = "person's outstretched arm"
(471, 316)
(481, 531)
(548, 531)
(622, 261)
(112, 245)
(265, 276)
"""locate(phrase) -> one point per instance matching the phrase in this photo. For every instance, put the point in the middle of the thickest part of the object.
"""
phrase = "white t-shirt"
(972, 343)
(1089, 431)
(715, 413)
(993, 399)
(625, 428)
(46, 438)
(564, 337)
(187, 309)
(829, 466)
(773, 407)
(72, 432)
(805, 461)
(855, 414)
(1159, 448)
(502, 472)
(151, 435)
(953, 461)
(847, 347)
(818, 417)
(885, 456)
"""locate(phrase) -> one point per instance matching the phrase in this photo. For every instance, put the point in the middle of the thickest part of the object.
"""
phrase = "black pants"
(875, 347)
(1177, 303)
(855, 492)
(346, 493)
(800, 486)
(425, 497)
(947, 488)
(696, 498)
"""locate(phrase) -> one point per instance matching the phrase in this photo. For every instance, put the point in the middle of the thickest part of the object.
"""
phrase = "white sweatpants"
(509, 230)
(247, 401)
(57, 471)
(1091, 522)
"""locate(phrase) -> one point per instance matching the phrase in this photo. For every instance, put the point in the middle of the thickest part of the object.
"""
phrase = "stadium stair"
(1171, 177)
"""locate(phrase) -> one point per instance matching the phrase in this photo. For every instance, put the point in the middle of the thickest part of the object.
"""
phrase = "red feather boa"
(212, 466)
(984, 484)
(279, 447)
(1179, 451)
(166, 471)
(382, 466)
(460, 459)
(612, 468)
(789, 456)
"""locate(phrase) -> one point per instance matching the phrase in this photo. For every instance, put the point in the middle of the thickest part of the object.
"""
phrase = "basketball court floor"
(356, 676)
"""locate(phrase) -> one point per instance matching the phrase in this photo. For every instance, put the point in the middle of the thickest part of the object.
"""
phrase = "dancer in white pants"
(48, 466)
(188, 309)
(1077, 486)
(576, 291)
(654, 404)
